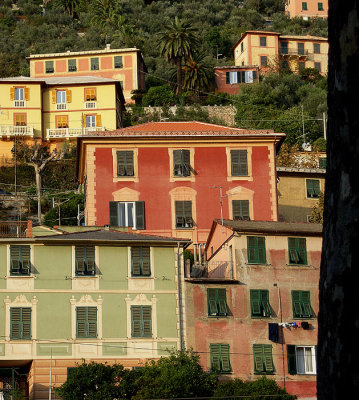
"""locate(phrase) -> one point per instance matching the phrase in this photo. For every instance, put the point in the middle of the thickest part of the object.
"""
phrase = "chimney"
(108, 46)
(29, 228)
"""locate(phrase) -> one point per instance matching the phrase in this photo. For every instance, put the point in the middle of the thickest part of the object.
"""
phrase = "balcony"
(9, 130)
(293, 52)
(68, 133)
(210, 271)
(15, 229)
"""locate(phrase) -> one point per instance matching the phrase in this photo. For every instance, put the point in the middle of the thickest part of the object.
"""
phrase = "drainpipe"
(180, 302)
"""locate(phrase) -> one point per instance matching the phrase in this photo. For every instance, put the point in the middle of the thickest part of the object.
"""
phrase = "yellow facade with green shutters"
(80, 299)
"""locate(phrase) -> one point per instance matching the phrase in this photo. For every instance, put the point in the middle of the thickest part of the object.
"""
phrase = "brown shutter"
(53, 96)
(68, 96)
(12, 93)
(98, 120)
(27, 93)
(84, 121)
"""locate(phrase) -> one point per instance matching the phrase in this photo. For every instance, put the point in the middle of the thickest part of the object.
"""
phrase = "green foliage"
(159, 96)
(259, 389)
(320, 144)
(198, 75)
(68, 204)
(188, 255)
(317, 213)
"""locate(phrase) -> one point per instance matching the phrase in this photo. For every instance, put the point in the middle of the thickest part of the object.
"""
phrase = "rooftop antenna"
(221, 197)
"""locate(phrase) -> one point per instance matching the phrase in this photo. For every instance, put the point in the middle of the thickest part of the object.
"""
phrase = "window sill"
(304, 318)
(264, 373)
(239, 178)
(84, 276)
(184, 229)
(125, 179)
(263, 264)
(218, 316)
(190, 178)
(298, 265)
(31, 276)
(141, 277)
(260, 317)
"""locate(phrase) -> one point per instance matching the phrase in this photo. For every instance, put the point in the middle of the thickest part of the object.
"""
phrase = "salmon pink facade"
(251, 308)
(173, 178)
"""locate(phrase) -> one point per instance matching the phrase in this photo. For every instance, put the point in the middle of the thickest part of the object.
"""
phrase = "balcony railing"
(293, 52)
(65, 133)
(13, 229)
(9, 130)
(211, 270)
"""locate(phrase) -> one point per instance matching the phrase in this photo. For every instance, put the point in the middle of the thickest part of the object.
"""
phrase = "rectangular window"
(284, 47)
(297, 249)
(141, 318)
(304, 6)
(90, 94)
(256, 249)
(313, 188)
(263, 359)
(301, 65)
(320, 7)
(181, 163)
(20, 263)
(127, 213)
(264, 61)
(260, 306)
(62, 121)
(90, 121)
(242, 47)
(71, 65)
(49, 67)
(300, 47)
(318, 66)
(117, 62)
(19, 94)
(301, 359)
(85, 260)
(239, 163)
(263, 41)
(86, 322)
(140, 261)
(240, 209)
(183, 211)
(20, 119)
(220, 359)
(316, 48)
(95, 64)
(61, 96)
(323, 162)
(217, 302)
(285, 65)
(125, 163)
(301, 304)
(20, 323)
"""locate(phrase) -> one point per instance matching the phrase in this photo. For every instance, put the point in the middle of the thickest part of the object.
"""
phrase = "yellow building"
(124, 65)
(299, 190)
(55, 109)
(269, 50)
(306, 9)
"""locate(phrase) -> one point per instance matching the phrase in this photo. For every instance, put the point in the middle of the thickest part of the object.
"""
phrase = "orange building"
(124, 65)
(251, 309)
(306, 9)
(230, 79)
(269, 50)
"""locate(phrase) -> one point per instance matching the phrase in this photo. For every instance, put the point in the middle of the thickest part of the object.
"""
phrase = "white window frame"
(302, 366)
(62, 95)
(127, 212)
(91, 121)
(19, 94)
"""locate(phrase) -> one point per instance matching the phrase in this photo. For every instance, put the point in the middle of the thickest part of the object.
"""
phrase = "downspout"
(180, 302)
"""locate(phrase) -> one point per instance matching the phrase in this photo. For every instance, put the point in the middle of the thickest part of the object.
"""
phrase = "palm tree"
(198, 75)
(177, 42)
(70, 6)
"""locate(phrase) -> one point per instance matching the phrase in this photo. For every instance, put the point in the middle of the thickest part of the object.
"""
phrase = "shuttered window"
(304, 6)
(262, 41)
(239, 163)
(181, 163)
(95, 64)
(323, 162)
(140, 261)
(86, 322)
(117, 61)
(260, 306)
(20, 119)
(217, 302)
(71, 65)
(183, 211)
(240, 209)
(141, 318)
(20, 263)
(256, 250)
(125, 164)
(49, 67)
(20, 323)
(90, 94)
(313, 188)
(263, 359)
(320, 7)
(62, 121)
(220, 359)
(123, 213)
(301, 304)
(301, 359)
(85, 260)
(297, 249)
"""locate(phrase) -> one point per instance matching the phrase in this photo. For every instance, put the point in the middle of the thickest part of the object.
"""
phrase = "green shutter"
(215, 357)
(141, 317)
(227, 78)
(243, 76)
(26, 322)
(258, 358)
(15, 259)
(136, 261)
(297, 251)
(225, 358)
(212, 303)
(177, 156)
(81, 323)
(306, 307)
(86, 322)
(222, 301)
(254, 75)
(140, 215)
(266, 308)
(129, 163)
(261, 250)
(120, 163)
(136, 321)
(15, 323)
(313, 188)
(92, 321)
(292, 359)
(146, 261)
(268, 359)
(296, 304)
(239, 163)
(256, 249)
(240, 209)
(147, 321)
(113, 213)
(255, 297)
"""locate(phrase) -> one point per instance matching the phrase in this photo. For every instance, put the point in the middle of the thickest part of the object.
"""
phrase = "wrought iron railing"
(13, 229)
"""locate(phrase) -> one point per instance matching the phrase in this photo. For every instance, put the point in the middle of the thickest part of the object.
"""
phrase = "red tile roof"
(190, 128)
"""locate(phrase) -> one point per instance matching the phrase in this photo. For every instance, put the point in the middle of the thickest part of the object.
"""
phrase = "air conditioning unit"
(61, 106)
(90, 104)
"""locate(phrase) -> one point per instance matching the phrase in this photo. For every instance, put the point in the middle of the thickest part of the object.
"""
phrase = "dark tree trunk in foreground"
(338, 365)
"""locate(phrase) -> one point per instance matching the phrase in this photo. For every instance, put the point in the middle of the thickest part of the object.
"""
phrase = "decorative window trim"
(21, 301)
(173, 178)
(86, 301)
(141, 300)
(13, 281)
(183, 193)
(248, 177)
(240, 193)
(133, 178)
(129, 264)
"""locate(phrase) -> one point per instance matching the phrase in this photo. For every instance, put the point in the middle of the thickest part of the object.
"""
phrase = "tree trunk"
(179, 75)
(38, 192)
(338, 367)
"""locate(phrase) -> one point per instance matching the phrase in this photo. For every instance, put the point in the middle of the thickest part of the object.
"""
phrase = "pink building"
(251, 309)
(306, 9)
(230, 79)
